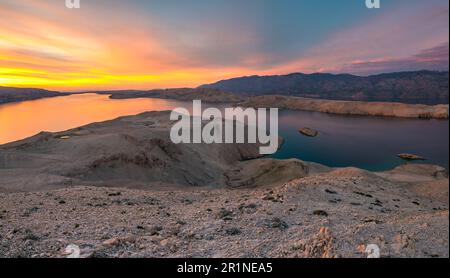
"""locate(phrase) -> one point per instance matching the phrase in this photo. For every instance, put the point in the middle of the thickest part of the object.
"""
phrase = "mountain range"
(427, 87)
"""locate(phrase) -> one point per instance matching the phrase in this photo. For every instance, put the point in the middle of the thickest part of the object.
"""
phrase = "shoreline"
(352, 108)
(328, 106)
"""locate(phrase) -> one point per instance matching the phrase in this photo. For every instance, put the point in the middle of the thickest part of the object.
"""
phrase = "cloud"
(150, 44)
(394, 40)
(436, 58)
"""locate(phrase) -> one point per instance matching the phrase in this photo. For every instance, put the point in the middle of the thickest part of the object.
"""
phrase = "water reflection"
(24, 119)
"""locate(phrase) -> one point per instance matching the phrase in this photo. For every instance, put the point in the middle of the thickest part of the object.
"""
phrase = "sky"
(146, 44)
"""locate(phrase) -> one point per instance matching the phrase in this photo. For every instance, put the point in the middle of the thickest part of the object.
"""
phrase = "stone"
(308, 132)
(410, 157)
(111, 242)
(320, 213)
(233, 231)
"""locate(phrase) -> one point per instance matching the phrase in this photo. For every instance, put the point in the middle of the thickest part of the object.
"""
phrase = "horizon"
(45, 45)
(238, 77)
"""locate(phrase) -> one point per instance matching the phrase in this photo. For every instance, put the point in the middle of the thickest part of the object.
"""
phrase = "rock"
(377, 203)
(31, 236)
(363, 194)
(154, 230)
(114, 194)
(233, 231)
(308, 132)
(372, 251)
(28, 212)
(224, 213)
(320, 213)
(111, 242)
(402, 242)
(164, 242)
(361, 248)
(187, 201)
(249, 206)
(321, 245)
(72, 251)
(410, 157)
(276, 199)
(277, 223)
(372, 220)
(172, 230)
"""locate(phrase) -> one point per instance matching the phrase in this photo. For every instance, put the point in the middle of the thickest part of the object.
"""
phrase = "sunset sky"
(144, 44)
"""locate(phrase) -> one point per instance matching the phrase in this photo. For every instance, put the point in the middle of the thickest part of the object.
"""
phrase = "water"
(365, 142)
(370, 143)
(24, 119)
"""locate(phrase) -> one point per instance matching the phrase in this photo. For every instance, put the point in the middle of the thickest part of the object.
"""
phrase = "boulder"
(309, 132)
(408, 156)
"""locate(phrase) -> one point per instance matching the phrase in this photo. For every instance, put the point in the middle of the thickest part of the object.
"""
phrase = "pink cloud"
(436, 58)
(404, 39)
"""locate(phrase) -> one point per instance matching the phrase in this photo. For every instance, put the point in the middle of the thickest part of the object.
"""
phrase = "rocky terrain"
(356, 108)
(121, 189)
(420, 87)
(134, 151)
(8, 94)
(333, 214)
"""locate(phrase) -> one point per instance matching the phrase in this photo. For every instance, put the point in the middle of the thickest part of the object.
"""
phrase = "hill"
(9, 94)
(426, 87)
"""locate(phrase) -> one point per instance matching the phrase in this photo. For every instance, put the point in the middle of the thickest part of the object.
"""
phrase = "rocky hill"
(425, 87)
(9, 94)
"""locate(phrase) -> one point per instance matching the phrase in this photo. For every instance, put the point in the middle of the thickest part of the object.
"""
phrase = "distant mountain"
(426, 87)
(8, 94)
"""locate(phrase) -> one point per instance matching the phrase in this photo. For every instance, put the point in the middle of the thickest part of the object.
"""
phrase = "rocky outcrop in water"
(410, 157)
(308, 132)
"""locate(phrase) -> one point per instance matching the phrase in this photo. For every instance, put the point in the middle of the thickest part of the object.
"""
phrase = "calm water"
(365, 142)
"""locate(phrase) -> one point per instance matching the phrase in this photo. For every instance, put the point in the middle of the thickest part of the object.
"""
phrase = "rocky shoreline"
(354, 108)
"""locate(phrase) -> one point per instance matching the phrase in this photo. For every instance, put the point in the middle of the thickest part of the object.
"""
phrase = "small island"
(308, 132)
(410, 157)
